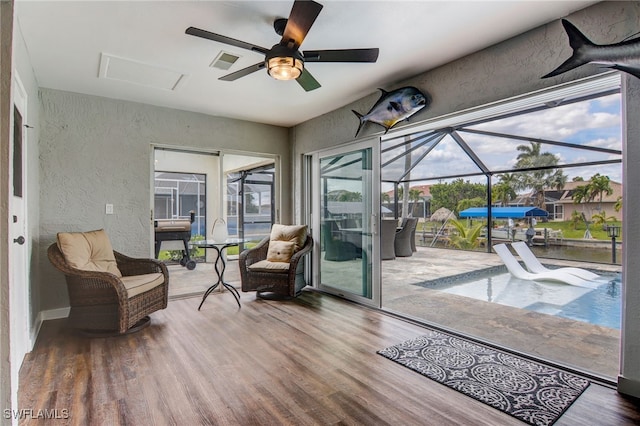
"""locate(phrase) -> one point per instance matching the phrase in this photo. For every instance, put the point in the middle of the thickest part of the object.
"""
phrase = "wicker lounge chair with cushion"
(533, 264)
(335, 249)
(109, 293)
(402, 243)
(518, 271)
(275, 266)
(413, 236)
(387, 238)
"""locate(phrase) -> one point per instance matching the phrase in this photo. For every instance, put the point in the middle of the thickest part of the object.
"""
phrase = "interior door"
(347, 222)
(18, 255)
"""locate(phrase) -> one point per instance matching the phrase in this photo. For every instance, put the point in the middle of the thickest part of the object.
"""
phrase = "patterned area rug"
(529, 391)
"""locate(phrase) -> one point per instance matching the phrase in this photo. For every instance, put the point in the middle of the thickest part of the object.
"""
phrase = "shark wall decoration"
(394, 107)
(623, 56)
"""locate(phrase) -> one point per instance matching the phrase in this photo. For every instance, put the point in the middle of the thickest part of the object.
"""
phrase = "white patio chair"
(518, 271)
(533, 264)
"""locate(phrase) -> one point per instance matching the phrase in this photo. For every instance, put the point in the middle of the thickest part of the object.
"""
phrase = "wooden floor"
(309, 361)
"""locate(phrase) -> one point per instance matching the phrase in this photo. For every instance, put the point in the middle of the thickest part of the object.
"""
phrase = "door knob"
(20, 240)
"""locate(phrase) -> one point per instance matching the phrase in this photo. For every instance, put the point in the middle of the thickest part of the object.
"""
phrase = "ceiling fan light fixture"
(284, 63)
(284, 67)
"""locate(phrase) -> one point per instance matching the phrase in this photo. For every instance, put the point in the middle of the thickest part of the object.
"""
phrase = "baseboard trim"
(43, 316)
(629, 387)
(52, 314)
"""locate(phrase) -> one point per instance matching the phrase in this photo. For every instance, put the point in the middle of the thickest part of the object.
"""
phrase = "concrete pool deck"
(585, 347)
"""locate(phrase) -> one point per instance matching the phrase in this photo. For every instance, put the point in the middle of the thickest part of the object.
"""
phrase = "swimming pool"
(600, 305)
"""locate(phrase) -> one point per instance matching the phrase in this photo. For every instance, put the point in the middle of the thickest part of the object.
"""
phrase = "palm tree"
(414, 195)
(598, 186)
(581, 194)
(504, 191)
(547, 176)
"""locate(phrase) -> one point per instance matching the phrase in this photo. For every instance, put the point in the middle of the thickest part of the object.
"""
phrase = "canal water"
(584, 254)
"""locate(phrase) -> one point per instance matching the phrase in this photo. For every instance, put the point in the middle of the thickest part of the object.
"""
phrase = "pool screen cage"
(487, 144)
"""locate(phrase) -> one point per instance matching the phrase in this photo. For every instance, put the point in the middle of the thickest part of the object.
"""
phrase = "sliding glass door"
(346, 222)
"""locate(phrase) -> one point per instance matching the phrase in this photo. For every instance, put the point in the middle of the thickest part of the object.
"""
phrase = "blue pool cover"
(504, 212)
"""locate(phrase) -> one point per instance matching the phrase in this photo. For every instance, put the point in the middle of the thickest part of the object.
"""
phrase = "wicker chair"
(387, 239)
(403, 240)
(282, 282)
(100, 302)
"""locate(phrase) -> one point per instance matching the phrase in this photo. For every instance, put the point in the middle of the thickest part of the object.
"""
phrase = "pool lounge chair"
(518, 271)
(533, 264)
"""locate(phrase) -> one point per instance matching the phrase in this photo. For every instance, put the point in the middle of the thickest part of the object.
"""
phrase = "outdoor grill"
(174, 234)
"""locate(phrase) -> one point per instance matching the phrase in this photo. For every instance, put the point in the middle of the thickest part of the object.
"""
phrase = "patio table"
(219, 247)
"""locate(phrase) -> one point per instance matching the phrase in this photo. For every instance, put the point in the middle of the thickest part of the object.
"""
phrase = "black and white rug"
(531, 392)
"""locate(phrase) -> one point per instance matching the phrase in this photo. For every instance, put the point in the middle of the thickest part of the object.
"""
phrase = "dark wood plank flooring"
(308, 361)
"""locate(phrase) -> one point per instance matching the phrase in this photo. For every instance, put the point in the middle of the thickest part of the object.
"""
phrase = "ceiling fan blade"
(224, 39)
(343, 55)
(303, 15)
(307, 81)
(241, 73)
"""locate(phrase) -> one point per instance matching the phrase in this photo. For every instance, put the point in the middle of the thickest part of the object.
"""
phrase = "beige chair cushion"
(88, 251)
(280, 251)
(294, 233)
(138, 284)
(266, 266)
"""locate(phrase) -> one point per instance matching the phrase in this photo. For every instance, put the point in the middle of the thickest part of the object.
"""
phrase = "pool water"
(598, 304)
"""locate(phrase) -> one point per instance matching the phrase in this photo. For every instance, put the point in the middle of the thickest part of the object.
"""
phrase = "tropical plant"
(505, 190)
(598, 186)
(545, 174)
(466, 238)
(618, 205)
(414, 195)
(576, 218)
(601, 218)
(250, 203)
(344, 195)
(581, 194)
(350, 196)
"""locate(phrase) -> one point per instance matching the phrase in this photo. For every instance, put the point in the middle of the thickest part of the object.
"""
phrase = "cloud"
(559, 123)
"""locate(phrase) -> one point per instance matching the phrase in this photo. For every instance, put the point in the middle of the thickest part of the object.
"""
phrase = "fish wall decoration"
(623, 56)
(394, 107)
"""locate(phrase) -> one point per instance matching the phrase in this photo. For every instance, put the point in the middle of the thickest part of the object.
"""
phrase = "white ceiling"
(66, 41)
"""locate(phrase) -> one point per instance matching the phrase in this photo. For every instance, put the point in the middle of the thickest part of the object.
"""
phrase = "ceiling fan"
(284, 61)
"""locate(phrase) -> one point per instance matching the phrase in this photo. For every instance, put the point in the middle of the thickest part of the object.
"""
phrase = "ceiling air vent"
(224, 61)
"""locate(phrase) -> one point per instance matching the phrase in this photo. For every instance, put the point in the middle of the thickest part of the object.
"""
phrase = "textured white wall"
(95, 151)
(505, 70)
